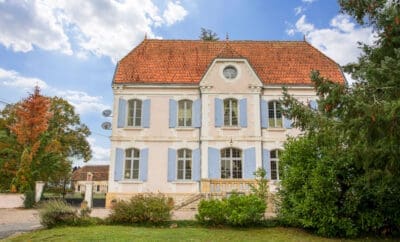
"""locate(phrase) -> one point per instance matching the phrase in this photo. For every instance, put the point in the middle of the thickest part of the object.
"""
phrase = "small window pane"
(273, 170)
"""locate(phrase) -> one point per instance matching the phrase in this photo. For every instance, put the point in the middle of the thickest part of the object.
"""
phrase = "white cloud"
(339, 41)
(100, 155)
(82, 101)
(298, 10)
(25, 24)
(174, 13)
(102, 27)
(308, 1)
(12, 78)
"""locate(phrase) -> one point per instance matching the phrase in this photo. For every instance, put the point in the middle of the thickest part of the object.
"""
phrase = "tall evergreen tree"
(342, 176)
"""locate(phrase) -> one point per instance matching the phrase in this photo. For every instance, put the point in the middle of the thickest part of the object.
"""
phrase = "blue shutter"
(266, 163)
(196, 165)
(171, 165)
(118, 164)
(196, 113)
(173, 106)
(121, 112)
(143, 164)
(146, 113)
(314, 105)
(243, 112)
(249, 166)
(219, 112)
(287, 123)
(264, 113)
(214, 166)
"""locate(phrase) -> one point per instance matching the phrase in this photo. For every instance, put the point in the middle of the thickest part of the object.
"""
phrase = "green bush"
(153, 209)
(29, 200)
(57, 212)
(237, 210)
(212, 212)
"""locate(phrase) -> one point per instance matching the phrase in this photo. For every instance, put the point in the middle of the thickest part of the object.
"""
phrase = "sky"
(69, 48)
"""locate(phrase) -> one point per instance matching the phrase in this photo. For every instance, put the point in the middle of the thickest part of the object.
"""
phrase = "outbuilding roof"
(99, 172)
(186, 61)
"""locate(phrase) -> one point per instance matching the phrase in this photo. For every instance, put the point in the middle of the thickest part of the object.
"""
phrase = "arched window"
(230, 112)
(132, 157)
(275, 114)
(185, 113)
(274, 159)
(231, 163)
(184, 164)
(135, 112)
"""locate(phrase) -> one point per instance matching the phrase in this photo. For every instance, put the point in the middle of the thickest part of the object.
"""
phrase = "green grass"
(127, 233)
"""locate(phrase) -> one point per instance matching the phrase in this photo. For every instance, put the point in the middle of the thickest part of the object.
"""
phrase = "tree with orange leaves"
(32, 120)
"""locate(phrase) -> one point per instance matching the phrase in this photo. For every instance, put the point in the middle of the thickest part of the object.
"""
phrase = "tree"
(342, 176)
(29, 153)
(208, 35)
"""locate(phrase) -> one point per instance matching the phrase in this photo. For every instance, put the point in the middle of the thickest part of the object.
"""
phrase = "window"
(184, 164)
(185, 113)
(275, 114)
(131, 164)
(135, 113)
(231, 163)
(79, 188)
(230, 112)
(98, 188)
(274, 159)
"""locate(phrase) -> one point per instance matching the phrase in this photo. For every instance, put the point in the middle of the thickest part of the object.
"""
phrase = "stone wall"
(11, 200)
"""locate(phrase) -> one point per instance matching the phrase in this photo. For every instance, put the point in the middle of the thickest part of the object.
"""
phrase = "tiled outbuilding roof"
(186, 61)
(100, 173)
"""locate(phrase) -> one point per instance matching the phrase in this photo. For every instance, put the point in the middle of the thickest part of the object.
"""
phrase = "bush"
(237, 210)
(212, 212)
(57, 212)
(29, 200)
(153, 209)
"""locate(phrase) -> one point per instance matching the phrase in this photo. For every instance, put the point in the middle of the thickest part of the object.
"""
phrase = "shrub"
(244, 210)
(29, 200)
(212, 212)
(57, 212)
(237, 210)
(153, 209)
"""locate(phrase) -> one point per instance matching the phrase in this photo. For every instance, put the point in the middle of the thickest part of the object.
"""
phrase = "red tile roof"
(100, 173)
(186, 61)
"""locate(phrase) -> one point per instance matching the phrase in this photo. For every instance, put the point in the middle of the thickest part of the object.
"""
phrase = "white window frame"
(132, 159)
(135, 105)
(187, 119)
(274, 116)
(185, 159)
(276, 161)
(230, 112)
(231, 160)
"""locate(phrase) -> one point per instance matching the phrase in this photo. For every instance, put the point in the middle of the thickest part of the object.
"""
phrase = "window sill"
(185, 128)
(276, 129)
(184, 182)
(133, 128)
(231, 128)
(130, 182)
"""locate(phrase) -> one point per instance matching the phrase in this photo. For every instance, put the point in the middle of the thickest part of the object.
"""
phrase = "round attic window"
(230, 72)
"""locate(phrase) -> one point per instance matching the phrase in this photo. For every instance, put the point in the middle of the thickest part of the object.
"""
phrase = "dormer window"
(230, 72)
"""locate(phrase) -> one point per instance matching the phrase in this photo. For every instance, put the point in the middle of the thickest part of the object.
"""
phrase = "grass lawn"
(127, 233)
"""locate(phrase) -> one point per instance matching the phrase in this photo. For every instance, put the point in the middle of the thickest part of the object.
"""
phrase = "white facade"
(157, 140)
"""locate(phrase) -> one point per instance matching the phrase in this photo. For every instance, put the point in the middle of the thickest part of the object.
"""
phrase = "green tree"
(64, 139)
(208, 35)
(342, 176)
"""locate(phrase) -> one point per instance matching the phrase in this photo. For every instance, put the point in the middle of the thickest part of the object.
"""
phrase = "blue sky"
(70, 47)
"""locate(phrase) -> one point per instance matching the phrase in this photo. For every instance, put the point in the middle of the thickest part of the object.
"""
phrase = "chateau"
(193, 116)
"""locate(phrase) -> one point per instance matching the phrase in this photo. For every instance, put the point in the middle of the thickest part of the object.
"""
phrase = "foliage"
(208, 35)
(35, 146)
(152, 209)
(56, 213)
(342, 176)
(29, 199)
(236, 210)
(261, 187)
(212, 212)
